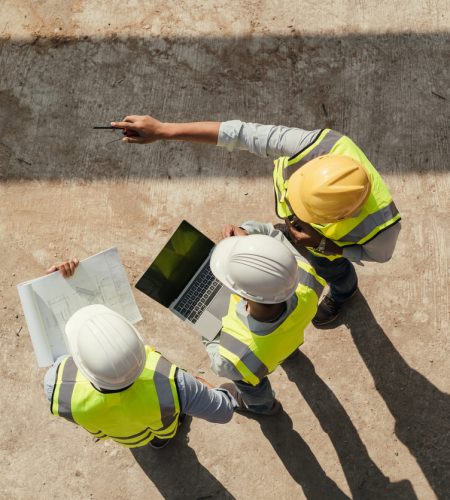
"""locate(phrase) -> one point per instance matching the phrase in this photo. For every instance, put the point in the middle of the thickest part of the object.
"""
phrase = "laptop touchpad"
(219, 305)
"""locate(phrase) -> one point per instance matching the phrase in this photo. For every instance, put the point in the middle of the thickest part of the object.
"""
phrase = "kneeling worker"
(118, 388)
(275, 297)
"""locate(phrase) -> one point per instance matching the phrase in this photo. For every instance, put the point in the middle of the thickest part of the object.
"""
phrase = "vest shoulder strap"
(66, 376)
(321, 145)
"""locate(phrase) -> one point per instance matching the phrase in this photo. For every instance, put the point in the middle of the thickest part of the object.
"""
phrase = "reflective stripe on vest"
(165, 396)
(326, 144)
(371, 222)
(68, 377)
(255, 356)
(156, 414)
(311, 280)
(245, 355)
(378, 212)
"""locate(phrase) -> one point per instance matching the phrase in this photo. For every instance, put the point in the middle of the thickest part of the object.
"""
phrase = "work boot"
(328, 310)
(243, 408)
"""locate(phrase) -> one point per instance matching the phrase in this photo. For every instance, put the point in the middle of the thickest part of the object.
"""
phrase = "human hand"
(230, 230)
(144, 129)
(302, 233)
(67, 268)
(305, 235)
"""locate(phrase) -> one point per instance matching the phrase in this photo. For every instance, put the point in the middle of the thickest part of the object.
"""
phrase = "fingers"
(228, 231)
(240, 232)
(134, 140)
(67, 268)
(73, 265)
(51, 270)
(295, 233)
(127, 123)
(122, 125)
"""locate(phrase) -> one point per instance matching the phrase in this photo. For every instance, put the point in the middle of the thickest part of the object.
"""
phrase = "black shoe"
(243, 408)
(329, 310)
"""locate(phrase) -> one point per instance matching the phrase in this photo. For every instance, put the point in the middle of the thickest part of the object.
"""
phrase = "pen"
(125, 131)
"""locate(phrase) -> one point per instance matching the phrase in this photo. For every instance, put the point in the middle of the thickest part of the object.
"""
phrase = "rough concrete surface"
(366, 402)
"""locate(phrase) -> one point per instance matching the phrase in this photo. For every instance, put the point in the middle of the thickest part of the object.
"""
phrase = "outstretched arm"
(149, 129)
(203, 401)
(261, 140)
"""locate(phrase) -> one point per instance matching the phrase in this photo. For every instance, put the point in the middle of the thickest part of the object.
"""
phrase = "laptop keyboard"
(199, 295)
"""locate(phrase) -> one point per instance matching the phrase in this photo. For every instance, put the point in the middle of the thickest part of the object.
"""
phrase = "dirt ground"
(366, 403)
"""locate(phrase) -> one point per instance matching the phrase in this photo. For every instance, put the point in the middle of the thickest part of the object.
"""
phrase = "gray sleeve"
(264, 140)
(50, 377)
(198, 400)
(220, 366)
(380, 249)
(253, 227)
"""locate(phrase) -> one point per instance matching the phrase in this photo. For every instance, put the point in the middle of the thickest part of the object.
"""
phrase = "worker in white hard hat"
(333, 201)
(117, 388)
(275, 296)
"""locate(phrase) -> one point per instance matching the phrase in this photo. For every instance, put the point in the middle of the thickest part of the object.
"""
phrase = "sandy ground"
(366, 402)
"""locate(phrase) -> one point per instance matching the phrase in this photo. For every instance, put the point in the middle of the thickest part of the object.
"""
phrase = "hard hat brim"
(300, 209)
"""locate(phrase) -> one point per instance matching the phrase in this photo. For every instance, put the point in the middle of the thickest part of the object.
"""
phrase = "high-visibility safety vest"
(378, 212)
(133, 417)
(255, 356)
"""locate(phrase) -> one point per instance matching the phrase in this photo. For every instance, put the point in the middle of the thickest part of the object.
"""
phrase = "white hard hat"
(105, 346)
(256, 267)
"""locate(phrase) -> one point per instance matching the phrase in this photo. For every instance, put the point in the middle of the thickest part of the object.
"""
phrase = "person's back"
(275, 297)
(117, 388)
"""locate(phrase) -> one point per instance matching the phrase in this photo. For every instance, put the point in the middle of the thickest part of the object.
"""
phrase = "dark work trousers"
(258, 398)
(340, 275)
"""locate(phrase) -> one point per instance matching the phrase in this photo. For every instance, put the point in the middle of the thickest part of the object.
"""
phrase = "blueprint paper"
(48, 302)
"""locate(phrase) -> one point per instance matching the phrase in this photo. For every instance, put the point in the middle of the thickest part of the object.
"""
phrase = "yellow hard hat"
(328, 189)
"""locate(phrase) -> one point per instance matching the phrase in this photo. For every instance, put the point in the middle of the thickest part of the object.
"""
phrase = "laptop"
(180, 279)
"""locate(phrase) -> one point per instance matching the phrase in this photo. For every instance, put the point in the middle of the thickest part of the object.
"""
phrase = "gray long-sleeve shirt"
(196, 399)
(274, 141)
(222, 366)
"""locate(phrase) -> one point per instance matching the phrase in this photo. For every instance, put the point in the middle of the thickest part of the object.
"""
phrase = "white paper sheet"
(49, 301)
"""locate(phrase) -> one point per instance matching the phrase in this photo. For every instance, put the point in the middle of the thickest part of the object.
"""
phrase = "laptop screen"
(176, 264)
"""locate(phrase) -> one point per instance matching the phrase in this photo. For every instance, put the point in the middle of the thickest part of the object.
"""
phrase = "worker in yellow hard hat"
(333, 201)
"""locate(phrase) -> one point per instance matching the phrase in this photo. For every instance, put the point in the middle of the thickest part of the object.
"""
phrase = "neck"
(265, 312)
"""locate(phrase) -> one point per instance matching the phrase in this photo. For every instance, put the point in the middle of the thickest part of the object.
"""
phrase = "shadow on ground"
(365, 479)
(176, 471)
(297, 457)
(388, 92)
(421, 411)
